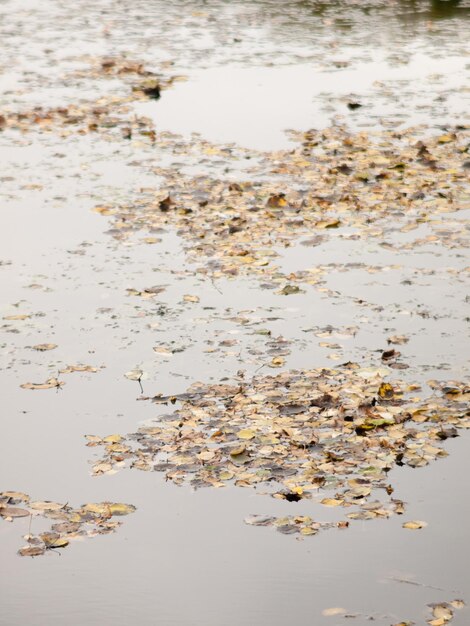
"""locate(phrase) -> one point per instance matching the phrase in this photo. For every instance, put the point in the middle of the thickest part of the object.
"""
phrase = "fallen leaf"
(46, 505)
(333, 611)
(17, 317)
(12, 511)
(331, 502)
(43, 347)
(109, 508)
(246, 433)
(50, 383)
(189, 298)
(415, 525)
(31, 551)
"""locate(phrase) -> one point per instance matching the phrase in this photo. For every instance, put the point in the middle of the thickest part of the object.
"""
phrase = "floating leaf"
(234, 452)
(31, 551)
(15, 495)
(259, 520)
(386, 391)
(109, 508)
(46, 506)
(333, 611)
(288, 290)
(12, 511)
(51, 383)
(136, 375)
(53, 540)
(246, 433)
(415, 525)
(43, 347)
(17, 317)
(331, 502)
(189, 298)
(78, 368)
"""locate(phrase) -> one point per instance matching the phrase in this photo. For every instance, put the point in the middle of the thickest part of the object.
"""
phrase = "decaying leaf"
(189, 298)
(108, 509)
(386, 391)
(13, 511)
(415, 525)
(51, 383)
(46, 506)
(68, 523)
(331, 502)
(32, 551)
(136, 375)
(78, 368)
(333, 611)
(338, 429)
(16, 317)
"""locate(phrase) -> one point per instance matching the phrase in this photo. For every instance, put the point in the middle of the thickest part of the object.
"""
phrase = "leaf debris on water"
(339, 429)
(68, 523)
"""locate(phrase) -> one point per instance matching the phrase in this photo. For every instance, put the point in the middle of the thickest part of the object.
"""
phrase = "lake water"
(253, 70)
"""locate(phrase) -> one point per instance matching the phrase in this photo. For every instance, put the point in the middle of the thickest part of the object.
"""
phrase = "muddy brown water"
(254, 70)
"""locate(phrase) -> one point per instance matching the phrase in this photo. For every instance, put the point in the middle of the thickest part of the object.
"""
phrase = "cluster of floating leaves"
(293, 524)
(362, 186)
(367, 185)
(443, 612)
(331, 435)
(110, 115)
(68, 523)
(55, 383)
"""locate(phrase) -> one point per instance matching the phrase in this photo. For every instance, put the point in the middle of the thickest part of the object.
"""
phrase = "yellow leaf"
(49, 384)
(103, 210)
(16, 317)
(189, 298)
(445, 138)
(415, 525)
(238, 450)
(53, 540)
(226, 475)
(333, 611)
(276, 201)
(31, 551)
(13, 511)
(46, 506)
(386, 391)
(328, 223)
(442, 611)
(113, 438)
(109, 508)
(206, 455)
(331, 502)
(246, 433)
(16, 495)
(457, 604)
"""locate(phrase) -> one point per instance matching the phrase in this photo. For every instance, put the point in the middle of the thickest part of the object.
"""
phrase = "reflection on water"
(446, 8)
(254, 68)
(254, 106)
